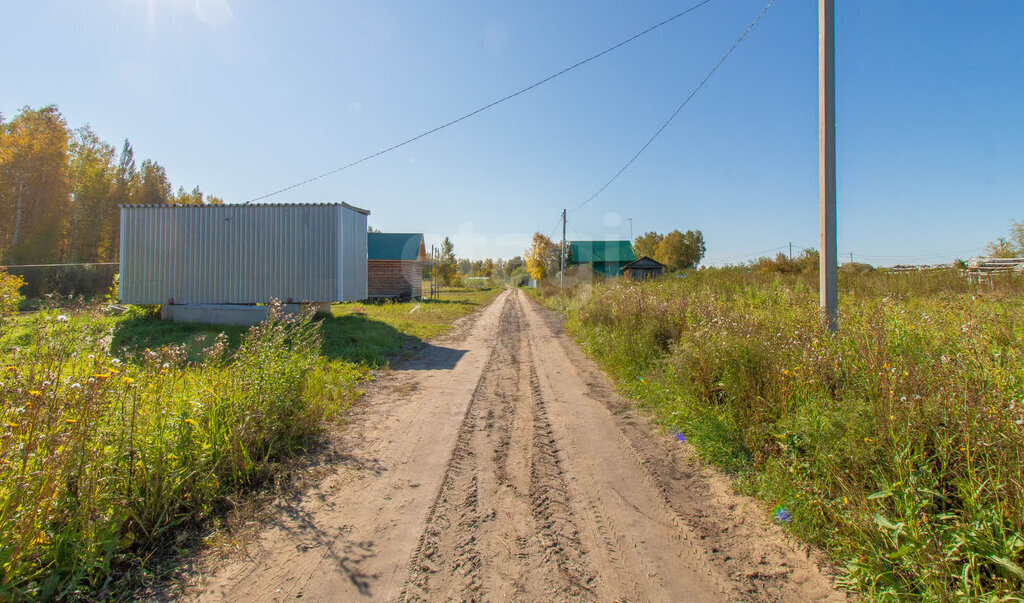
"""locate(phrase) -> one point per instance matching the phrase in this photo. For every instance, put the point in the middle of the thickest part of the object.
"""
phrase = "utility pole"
(828, 269)
(561, 280)
(791, 251)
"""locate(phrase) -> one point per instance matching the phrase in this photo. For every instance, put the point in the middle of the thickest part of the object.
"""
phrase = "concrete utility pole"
(561, 279)
(828, 270)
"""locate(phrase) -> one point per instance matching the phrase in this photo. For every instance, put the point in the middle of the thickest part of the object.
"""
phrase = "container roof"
(395, 246)
(365, 212)
(584, 252)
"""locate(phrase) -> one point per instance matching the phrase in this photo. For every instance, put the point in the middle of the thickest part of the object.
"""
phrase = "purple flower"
(782, 515)
(680, 437)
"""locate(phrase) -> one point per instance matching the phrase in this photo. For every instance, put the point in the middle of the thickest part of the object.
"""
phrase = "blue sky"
(243, 98)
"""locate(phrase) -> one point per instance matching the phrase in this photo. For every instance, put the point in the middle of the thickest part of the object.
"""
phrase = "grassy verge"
(372, 332)
(895, 444)
(121, 435)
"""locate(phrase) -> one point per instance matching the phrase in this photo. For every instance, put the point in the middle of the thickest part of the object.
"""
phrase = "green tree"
(647, 244)
(447, 264)
(538, 256)
(154, 187)
(92, 183)
(679, 250)
(1008, 247)
(35, 192)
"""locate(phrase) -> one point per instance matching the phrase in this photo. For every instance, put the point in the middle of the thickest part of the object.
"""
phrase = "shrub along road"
(499, 463)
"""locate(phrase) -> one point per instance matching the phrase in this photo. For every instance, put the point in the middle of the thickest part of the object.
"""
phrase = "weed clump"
(103, 458)
(895, 443)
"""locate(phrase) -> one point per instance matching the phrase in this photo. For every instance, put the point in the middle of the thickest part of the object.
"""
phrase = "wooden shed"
(395, 265)
(643, 269)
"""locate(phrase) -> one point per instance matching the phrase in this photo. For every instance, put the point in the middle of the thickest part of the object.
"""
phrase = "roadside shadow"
(429, 357)
(352, 337)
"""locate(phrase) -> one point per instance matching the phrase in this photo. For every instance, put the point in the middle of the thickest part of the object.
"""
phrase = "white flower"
(92, 356)
(76, 385)
(62, 318)
(115, 361)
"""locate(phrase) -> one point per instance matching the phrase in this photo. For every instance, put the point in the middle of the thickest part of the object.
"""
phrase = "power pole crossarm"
(828, 270)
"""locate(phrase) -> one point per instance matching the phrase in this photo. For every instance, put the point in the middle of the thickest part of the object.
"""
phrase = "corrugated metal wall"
(241, 254)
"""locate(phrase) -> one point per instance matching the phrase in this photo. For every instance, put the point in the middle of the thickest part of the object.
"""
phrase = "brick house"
(395, 265)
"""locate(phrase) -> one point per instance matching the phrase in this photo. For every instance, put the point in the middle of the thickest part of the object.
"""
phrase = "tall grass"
(896, 443)
(103, 459)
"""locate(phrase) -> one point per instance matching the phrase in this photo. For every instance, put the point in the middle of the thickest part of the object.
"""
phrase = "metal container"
(242, 254)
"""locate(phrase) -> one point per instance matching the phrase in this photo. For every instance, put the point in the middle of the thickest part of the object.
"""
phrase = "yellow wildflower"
(10, 424)
(128, 380)
(191, 422)
(11, 368)
(846, 501)
(869, 440)
(114, 371)
(70, 420)
(35, 392)
(101, 375)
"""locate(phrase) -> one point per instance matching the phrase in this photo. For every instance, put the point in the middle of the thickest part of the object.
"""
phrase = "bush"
(87, 280)
(102, 459)
(895, 443)
(10, 293)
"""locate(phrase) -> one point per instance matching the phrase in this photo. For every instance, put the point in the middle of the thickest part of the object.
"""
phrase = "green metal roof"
(394, 245)
(584, 252)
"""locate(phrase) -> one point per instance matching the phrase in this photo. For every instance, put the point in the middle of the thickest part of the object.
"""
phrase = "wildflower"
(114, 371)
(35, 392)
(11, 368)
(868, 440)
(191, 422)
(70, 420)
(76, 386)
(115, 361)
(783, 515)
(10, 424)
(101, 376)
(846, 501)
(62, 318)
(680, 437)
(128, 380)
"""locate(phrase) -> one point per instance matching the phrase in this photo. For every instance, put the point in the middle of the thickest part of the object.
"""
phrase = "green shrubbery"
(10, 293)
(896, 444)
(101, 457)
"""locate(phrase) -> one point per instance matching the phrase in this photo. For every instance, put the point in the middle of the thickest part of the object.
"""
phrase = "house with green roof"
(394, 266)
(605, 257)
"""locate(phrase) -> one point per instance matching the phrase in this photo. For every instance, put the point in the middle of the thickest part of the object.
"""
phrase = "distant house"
(395, 265)
(643, 269)
(605, 257)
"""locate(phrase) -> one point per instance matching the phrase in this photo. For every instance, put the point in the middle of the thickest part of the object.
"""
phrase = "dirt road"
(500, 465)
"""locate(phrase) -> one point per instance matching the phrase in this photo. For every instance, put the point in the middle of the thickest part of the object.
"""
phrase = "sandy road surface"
(500, 465)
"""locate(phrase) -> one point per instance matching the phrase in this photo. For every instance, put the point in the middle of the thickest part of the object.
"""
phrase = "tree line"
(60, 189)
(677, 250)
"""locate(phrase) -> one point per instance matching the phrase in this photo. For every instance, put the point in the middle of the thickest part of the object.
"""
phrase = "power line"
(488, 106)
(678, 109)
